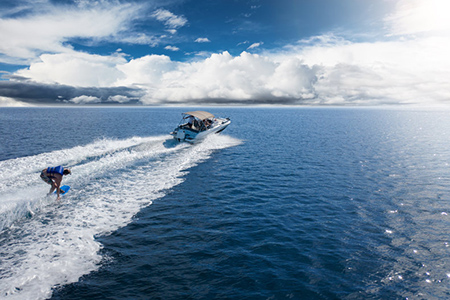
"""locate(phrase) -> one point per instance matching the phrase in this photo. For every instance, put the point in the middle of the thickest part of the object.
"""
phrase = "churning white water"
(45, 243)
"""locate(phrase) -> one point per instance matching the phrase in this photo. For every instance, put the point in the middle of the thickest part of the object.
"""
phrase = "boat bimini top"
(202, 115)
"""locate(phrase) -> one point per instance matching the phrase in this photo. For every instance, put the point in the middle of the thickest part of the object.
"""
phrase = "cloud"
(202, 40)
(148, 71)
(169, 19)
(254, 45)
(172, 48)
(171, 31)
(41, 93)
(243, 43)
(157, 79)
(76, 69)
(47, 28)
(119, 99)
(388, 72)
(10, 102)
(222, 78)
(85, 100)
(419, 16)
(141, 39)
(324, 70)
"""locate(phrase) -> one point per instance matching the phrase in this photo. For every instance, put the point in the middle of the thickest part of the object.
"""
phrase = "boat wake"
(45, 243)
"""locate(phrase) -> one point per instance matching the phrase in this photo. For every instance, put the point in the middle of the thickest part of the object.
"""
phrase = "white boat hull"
(182, 133)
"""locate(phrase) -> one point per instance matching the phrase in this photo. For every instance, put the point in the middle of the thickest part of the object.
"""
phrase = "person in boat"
(53, 176)
(190, 121)
(207, 123)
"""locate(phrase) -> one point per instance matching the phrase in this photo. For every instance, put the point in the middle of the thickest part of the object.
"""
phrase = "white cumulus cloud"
(246, 77)
(322, 70)
(396, 72)
(75, 68)
(85, 100)
(202, 40)
(172, 48)
(147, 71)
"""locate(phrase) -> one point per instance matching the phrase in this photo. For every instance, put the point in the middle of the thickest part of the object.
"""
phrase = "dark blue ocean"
(286, 203)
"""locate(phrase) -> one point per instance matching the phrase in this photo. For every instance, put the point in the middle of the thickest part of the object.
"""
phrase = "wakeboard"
(63, 190)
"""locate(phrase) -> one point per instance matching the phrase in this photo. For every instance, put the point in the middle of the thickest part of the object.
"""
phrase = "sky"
(225, 52)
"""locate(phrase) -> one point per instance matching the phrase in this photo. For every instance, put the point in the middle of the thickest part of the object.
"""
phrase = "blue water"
(287, 203)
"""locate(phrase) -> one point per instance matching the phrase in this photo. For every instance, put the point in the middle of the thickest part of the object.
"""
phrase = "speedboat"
(196, 125)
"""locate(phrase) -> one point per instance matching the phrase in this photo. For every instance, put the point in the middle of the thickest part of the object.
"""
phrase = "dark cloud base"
(244, 102)
(48, 94)
(57, 94)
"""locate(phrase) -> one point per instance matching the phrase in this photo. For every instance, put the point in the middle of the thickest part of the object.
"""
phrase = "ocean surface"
(286, 203)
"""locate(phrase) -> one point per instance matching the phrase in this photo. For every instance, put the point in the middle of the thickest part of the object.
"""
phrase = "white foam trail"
(44, 243)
